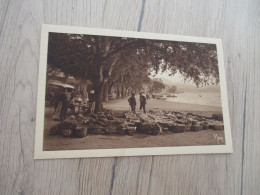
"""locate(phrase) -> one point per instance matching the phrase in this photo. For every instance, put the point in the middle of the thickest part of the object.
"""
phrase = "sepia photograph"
(120, 93)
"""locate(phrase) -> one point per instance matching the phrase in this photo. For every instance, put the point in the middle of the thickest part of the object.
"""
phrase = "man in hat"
(65, 98)
(142, 102)
(91, 101)
(132, 102)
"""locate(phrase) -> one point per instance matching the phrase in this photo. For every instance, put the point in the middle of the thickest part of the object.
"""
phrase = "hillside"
(188, 87)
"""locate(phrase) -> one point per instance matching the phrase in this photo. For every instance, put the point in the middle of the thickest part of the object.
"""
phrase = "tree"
(129, 61)
(172, 89)
(88, 57)
(156, 87)
(130, 74)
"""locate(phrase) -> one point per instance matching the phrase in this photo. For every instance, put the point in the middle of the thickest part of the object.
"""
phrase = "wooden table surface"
(237, 22)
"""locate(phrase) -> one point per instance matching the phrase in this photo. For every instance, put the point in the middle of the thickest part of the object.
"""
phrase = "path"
(155, 104)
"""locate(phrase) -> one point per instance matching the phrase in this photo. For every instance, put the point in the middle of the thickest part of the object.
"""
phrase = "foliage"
(172, 89)
(156, 87)
(128, 62)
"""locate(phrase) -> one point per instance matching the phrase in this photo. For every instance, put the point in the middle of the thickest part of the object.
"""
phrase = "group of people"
(142, 99)
(66, 100)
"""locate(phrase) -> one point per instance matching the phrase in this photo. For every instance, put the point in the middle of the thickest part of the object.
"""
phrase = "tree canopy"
(130, 61)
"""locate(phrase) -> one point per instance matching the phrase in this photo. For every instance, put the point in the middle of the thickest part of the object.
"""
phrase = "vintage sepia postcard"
(104, 93)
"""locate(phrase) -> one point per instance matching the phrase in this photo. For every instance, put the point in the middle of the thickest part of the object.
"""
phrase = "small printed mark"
(219, 139)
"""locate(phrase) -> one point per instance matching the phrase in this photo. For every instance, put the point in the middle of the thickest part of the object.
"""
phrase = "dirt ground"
(205, 137)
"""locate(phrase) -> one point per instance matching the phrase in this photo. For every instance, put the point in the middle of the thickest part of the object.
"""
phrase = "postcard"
(106, 93)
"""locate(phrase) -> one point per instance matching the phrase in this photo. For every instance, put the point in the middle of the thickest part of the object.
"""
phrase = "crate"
(177, 128)
(196, 128)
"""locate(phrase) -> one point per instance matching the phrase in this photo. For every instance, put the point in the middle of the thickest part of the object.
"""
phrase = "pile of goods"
(150, 128)
(73, 126)
(130, 123)
(181, 122)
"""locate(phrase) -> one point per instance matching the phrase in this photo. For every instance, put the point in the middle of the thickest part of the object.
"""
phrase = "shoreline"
(155, 104)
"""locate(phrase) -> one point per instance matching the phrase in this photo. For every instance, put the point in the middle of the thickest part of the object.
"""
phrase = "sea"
(200, 98)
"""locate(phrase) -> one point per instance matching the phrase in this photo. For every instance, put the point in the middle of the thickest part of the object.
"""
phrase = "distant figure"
(85, 95)
(132, 102)
(71, 102)
(147, 97)
(91, 101)
(85, 101)
(64, 98)
(57, 107)
(57, 104)
(142, 102)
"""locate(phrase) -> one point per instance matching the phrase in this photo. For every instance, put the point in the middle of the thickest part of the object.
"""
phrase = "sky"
(177, 78)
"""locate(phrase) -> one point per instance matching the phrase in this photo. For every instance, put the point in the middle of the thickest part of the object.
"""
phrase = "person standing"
(57, 103)
(57, 107)
(71, 102)
(85, 95)
(142, 102)
(132, 102)
(91, 101)
(85, 101)
(65, 104)
(147, 97)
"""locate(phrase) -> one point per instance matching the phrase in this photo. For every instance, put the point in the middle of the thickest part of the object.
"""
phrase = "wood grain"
(236, 22)
(3, 9)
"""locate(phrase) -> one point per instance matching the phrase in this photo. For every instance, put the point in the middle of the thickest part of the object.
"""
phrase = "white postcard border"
(39, 153)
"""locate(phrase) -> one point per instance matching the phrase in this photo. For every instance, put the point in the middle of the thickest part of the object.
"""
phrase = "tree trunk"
(81, 86)
(110, 85)
(123, 91)
(105, 93)
(126, 92)
(118, 91)
(99, 93)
